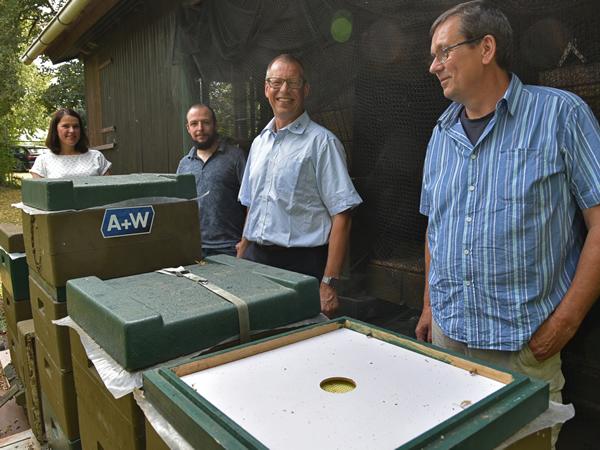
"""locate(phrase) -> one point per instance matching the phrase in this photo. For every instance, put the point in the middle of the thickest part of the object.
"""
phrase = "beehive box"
(30, 377)
(150, 318)
(55, 435)
(92, 235)
(343, 384)
(104, 422)
(11, 238)
(13, 273)
(12, 339)
(59, 397)
(46, 307)
(14, 311)
(153, 439)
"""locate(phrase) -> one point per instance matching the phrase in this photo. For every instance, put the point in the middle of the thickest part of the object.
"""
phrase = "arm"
(243, 244)
(423, 329)
(562, 324)
(338, 243)
(35, 175)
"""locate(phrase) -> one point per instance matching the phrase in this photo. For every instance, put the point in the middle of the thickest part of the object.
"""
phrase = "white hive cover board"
(276, 396)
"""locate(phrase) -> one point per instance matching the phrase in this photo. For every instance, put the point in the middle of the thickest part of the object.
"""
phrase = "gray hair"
(479, 18)
(288, 58)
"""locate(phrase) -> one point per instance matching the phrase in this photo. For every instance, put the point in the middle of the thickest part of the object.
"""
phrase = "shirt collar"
(298, 126)
(510, 98)
(193, 155)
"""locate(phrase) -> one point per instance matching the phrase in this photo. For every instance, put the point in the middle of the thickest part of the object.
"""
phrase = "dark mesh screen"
(367, 62)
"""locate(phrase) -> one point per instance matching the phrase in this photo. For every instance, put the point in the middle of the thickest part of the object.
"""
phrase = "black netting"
(367, 62)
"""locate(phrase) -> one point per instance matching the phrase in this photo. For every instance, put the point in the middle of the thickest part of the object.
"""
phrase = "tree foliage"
(29, 93)
(66, 90)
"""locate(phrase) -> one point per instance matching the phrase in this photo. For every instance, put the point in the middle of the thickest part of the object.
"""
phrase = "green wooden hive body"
(150, 318)
(483, 425)
(87, 192)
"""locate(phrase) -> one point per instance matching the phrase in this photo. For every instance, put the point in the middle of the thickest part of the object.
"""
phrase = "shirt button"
(467, 283)
(471, 188)
(469, 219)
(466, 252)
(473, 156)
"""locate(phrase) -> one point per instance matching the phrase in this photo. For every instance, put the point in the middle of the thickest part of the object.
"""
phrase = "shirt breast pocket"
(521, 174)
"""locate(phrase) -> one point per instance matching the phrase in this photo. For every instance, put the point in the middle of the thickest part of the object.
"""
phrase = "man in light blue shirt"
(297, 188)
(511, 181)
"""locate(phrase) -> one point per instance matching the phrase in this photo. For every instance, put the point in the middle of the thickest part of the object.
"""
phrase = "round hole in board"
(338, 385)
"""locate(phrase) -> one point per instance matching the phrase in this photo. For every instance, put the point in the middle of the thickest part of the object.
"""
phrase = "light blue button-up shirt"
(295, 180)
(505, 227)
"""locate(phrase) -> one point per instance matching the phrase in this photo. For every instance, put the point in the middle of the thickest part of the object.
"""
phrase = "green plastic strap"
(240, 305)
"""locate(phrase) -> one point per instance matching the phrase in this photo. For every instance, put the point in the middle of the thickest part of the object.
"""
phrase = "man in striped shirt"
(511, 189)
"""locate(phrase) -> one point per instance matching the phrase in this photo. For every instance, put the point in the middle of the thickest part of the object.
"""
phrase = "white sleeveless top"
(50, 165)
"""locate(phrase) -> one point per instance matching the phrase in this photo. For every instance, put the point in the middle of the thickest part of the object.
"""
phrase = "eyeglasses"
(277, 83)
(443, 54)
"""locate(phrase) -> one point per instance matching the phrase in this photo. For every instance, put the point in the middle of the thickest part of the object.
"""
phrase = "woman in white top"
(69, 155)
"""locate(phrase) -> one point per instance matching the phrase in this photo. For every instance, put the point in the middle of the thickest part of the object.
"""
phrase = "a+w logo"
(120, 222)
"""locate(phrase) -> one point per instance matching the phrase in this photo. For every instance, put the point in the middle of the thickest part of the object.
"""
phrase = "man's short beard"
(206, 144)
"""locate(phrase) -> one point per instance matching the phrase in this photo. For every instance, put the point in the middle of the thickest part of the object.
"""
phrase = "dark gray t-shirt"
(474, 127)
(218, 183)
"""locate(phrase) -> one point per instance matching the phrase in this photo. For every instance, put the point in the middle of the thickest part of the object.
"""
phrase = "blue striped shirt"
(505, 228)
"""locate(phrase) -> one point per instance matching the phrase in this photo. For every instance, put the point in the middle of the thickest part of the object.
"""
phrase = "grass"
(8, 196)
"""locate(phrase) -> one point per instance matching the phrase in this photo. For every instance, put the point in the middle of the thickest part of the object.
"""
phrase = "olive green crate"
(30, 378)
(54, 338)
(101, 430)
(13, 273)
(11, 238)
(119, 423)
(12, 339)
(15, 311)
(153, 440)
(58, 389)
(56, 438)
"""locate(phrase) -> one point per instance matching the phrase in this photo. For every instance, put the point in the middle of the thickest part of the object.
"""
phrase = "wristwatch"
(331, 281)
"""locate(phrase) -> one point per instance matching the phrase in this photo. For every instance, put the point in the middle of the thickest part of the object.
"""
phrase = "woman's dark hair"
(52, 141)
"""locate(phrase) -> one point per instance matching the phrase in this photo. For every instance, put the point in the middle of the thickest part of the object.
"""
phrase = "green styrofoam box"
(150, 318)
(87, 192)
(484, 424)
(14, 273)
(11, 238)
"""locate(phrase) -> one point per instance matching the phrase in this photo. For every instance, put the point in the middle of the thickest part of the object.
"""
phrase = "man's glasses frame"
(277, 83)
(443, 54)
